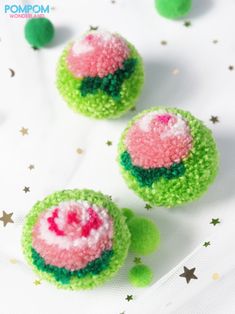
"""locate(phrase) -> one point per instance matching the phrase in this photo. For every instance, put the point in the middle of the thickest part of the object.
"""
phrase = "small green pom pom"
(145, 236)
(173, 9)
(128, 213)
(39, 32)
(140, 276)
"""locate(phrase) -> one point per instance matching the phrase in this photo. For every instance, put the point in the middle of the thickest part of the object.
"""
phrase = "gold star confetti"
(231, 68)
(129, 298)
(215, 41)
(12, 72)
(24, 131)
(31, 167)
(188, 274)
(26, 189)
(176, 71)
(206, 244)
(147, 206)
(93, 28)
(215, 276)
(109, 143)
(187, 23)
(163, 42)
(137, 260)
(79, 151)
(13, 261)
(37, 282)
(6, 218)
(214, 119)
(215, 221)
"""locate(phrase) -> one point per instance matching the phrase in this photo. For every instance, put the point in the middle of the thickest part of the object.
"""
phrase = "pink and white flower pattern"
(97, 53)
(158, 139)
(73, 234)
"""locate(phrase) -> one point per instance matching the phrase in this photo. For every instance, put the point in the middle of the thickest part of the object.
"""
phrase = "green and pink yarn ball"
(77, 239)
(167, 156)
(100, 75)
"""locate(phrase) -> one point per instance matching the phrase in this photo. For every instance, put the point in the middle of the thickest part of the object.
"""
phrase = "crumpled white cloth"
(189, 72)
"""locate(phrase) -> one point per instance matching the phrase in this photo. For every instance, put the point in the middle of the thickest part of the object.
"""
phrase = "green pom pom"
(39, 32)
(106, 98)
(97, 271)
(173, 9)
(128, 213)
(140, 276)
(145, 236)
(189, 182)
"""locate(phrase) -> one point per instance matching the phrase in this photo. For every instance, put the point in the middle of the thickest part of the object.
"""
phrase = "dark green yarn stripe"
(146, 177)
(64, 275)
(111, 84)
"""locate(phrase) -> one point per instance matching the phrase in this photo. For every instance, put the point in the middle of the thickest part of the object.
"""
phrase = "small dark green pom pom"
(173, 9)
(39, 32)
(140, 276)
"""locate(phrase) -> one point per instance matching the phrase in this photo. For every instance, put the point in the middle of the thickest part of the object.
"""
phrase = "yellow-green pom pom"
(140, 276)
(39, 32)
(145, 236)
(173, 9)
(128, 213)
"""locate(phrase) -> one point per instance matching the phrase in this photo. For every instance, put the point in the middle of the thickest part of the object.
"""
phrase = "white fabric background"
(204, 86)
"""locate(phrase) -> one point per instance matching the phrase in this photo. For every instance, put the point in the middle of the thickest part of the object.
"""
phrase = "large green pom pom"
(108, 97)
(173, 9)
(145, 236)
(140, 276)
(200, 166)
(98, 270)
(39, 32)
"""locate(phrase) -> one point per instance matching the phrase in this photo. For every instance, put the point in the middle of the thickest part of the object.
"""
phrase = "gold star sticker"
(37, 282)
(163, 42)
(26, 189)
(137, 260)
(109, 143)
(129, 298)
(231, 68)
(215, 221)
(206, 244)
(79, 151)
(93, 28)
(147, 206)
(188, 274)
(187, 23)
(214, 119)
(216, 276)
(6, 218)
(31, 167)
(13, 261)
(24, 131)
(215, 41)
